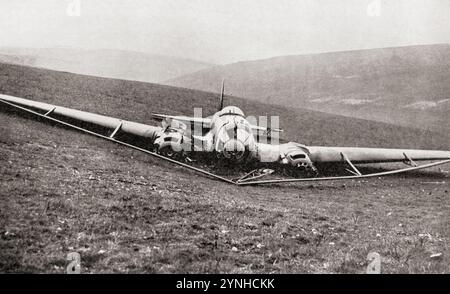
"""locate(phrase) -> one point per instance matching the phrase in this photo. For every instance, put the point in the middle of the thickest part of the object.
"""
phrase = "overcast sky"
(224, 31)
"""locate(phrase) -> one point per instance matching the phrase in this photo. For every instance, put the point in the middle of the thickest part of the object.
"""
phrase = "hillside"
(136, 101)
(105, 63)
(404, 86)
(62, 191)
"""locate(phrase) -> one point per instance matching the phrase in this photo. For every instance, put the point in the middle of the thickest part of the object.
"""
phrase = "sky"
(224, 31)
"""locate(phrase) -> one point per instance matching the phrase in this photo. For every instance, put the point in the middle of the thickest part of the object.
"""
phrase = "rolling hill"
(62, 191)
(126, 65)
(110, 97)
(405, 86)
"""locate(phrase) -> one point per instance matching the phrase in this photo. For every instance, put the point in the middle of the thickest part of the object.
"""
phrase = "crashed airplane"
(228, 137)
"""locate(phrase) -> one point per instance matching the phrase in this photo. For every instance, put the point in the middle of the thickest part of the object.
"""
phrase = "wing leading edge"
(130, 127)
(205, 122)
(320, 154)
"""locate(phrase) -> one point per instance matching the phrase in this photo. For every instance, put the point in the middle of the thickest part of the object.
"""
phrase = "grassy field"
(123, 211)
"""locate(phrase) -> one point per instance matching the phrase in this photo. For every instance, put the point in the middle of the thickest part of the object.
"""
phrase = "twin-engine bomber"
(228, 140)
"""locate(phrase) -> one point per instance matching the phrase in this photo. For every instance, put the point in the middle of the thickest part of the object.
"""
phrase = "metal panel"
(373, 155)
(134, 128)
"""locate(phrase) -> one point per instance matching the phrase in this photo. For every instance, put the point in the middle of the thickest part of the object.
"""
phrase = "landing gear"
(301, 170)
(309, 169)
(168, 152)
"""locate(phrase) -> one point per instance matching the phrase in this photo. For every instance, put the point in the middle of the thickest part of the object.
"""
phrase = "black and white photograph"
(263, 137)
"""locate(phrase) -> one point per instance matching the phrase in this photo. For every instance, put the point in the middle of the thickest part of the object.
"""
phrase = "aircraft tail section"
(222, 95)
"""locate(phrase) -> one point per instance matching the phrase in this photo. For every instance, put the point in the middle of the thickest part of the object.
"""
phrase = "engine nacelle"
(170, 142)
(296, 155)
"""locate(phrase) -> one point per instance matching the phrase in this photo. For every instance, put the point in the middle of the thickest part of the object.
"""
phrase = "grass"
(62, 191)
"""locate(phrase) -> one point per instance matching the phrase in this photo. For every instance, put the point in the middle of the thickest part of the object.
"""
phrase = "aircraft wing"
(265, 130)
(130, 127)
(205, 122)
(320, 154)
(46, 110)
(300, 154)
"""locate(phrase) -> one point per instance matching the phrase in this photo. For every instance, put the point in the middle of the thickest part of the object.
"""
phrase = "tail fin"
(222, 95)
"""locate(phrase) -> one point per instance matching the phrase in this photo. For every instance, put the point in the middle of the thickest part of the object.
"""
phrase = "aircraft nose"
(234, 150)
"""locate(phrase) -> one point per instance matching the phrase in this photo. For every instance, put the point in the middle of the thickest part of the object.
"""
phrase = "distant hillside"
(136, 101)
(105, 63)
(406, 86)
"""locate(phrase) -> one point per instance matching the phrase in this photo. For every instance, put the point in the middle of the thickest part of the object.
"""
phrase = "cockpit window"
(236, 114)
(238, 124)
(231, 110)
